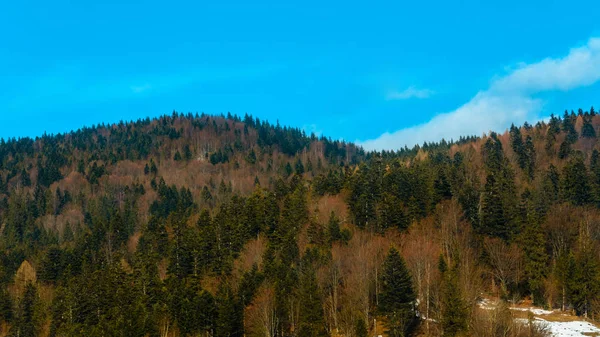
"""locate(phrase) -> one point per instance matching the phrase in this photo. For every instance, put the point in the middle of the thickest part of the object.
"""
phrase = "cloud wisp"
(509, 99)
(410, 92)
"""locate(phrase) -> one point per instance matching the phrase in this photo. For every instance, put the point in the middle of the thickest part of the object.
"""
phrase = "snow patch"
(566, 329)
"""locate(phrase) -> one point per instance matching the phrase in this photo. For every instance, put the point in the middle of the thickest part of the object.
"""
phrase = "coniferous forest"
(200, 225)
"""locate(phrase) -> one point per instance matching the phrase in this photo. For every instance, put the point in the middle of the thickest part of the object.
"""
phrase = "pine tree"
(299, 166)
(563, 271)
(187, 152)
(553, 130)
(177, 156)
(529, 153)
(28, 320)
(397, 297)
(311, 318)
(360, 330)
(229, 321)
(333, 228)
(288, 170)
(575, 183)
(454, 310)
(584, 284)
(587, 130)
(533, 242)
(6, 306)
(498, 206)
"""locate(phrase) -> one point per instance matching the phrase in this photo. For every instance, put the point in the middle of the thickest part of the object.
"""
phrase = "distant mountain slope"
(190, 225)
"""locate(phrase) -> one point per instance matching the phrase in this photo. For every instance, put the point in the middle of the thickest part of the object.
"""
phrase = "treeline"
(123, 230)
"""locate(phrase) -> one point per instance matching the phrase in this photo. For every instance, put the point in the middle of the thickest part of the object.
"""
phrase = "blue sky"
(384, 74)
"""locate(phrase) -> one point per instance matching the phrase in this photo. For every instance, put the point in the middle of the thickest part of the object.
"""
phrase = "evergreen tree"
(454, 311)
(177, 156)
(397, 297)
(6, 306)
(553, 130)
(28, 320)
(229, 322)
(187, 152)
(333, 228)
(584, 283)
(587, 130)
(533, 242)
(499, 198)
(360, 330)
(311, 318)
(299, 166)
(575, 183)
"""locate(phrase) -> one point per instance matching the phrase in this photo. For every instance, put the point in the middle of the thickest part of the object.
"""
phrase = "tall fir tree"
(397, 297)
(455, 313)
(533, 242)
(311, 317)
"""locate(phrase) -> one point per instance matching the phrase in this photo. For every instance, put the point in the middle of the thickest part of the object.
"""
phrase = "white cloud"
(410, 92)
(509, 99)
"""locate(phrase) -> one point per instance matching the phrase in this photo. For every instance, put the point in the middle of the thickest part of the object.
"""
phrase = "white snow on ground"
(567, 329)
(535, 311)
(487, 304)
(576, 328)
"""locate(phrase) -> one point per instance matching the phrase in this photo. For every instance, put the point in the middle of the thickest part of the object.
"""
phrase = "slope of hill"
(191, 225)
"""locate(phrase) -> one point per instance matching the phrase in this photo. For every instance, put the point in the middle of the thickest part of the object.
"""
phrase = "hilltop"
(189, 225)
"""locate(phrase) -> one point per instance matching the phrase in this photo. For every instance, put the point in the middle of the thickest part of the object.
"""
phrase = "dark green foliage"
(28, 320)
(455, 313)
(52, 267)
(249, 284)
(187, 152)
(193, 309)
(576, 187)
(6, 306)
(153, 168)
(584, 281)
(25, 180)
(360, 330)
(107, 285)
(299, 167)
(219, 157)
(251, 158)
(397, 297)
(391, 214)
(311, 319)
(565, 150)
(177, 156)
(568, 127)
(288, 170)
(229, 321)
(533, 242)
(499, 200)
(587, 130)
(333, 228)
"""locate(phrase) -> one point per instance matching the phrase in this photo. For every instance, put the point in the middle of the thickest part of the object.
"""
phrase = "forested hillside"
(197, 225)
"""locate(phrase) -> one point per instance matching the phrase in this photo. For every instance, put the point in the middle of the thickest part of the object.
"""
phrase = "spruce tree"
(533, 242)
(575, 184)
(333, 228)
(454, 310)
(397, 297)
(229, 322)
(311, 317)
(498, 204)
(587, 130)
(28, 320)
(584, 284)
(360, 329)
